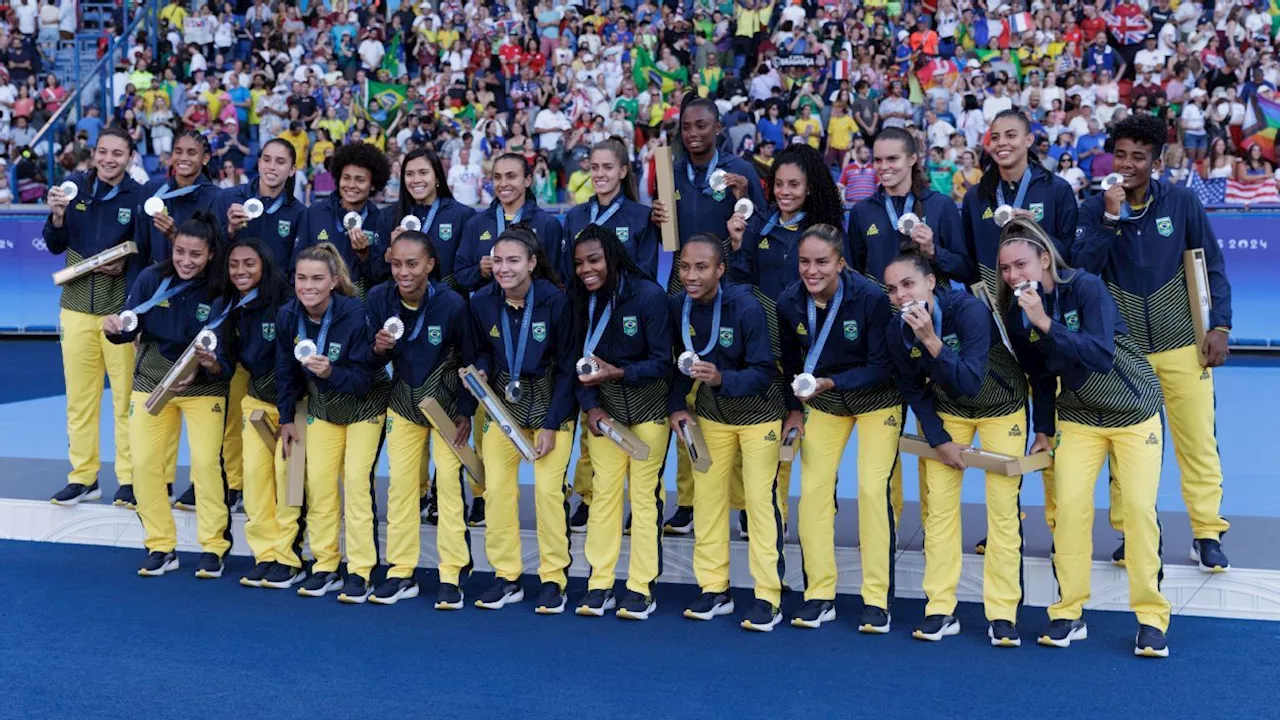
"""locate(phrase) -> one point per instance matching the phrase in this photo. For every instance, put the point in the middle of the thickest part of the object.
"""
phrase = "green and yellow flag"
(384, 101)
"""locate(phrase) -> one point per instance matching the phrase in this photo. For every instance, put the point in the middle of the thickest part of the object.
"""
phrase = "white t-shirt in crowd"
(464, 183)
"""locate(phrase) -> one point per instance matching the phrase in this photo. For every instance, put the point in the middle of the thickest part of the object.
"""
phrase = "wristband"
(1109, 218)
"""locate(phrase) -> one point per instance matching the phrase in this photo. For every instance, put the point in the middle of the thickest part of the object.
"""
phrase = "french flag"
(986, 30)
(1022, 22)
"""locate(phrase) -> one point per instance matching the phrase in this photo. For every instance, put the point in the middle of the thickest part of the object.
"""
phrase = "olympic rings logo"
(38, 243)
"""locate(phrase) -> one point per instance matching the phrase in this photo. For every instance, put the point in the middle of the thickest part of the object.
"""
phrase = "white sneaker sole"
(827, 616)
(767, 627)
(1151, 652)
(403, 594)
(553, 609)
(169, 566)
(1080, 633)
(677, 530)
(626, 614)
(721, 609)
(587, 611)
(947, 630)
(246, 582)
(1211, 569)
(451, 606)
(209, 574)
(328, 588)
(877, 629)
(1003, 642)
(355, 599)
(299, 577)
(578, 530)
(84, 497)
(508, 599)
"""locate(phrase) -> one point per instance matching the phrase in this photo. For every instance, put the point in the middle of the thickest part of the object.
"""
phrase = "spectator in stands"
(1253, 168)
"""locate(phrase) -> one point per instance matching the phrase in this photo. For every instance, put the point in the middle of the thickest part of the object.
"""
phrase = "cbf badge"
(283, 227)
(124, 216)
(269, 331)
(1037, 211)
(1164, 226)
(446, 231)
(726, 337)
(434, 334)
(630, 325)
(202, 312)
(540, 331)
(335, 350)
(850, 330)
(623, 233)
(952, 342)
(1072, 319)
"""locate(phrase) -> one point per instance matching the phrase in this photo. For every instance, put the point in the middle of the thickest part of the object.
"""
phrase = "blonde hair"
(1029, 232)
(328, 254)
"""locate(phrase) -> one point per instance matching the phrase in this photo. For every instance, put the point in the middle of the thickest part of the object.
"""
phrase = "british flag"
(1128, 24)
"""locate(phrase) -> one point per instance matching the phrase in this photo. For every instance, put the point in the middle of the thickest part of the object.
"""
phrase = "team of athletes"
(788, 321)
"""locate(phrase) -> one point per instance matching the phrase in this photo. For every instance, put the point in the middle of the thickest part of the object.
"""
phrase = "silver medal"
(128, 321)
(719, 180)
(304, 350)
(1111, 181)
(913, 304)
(207, 340)
(253, 208)
(1023, 287)
(352, 221)
(513, 392)
(907, 223)
(1003, 215)
(69, 190)
(686, 360)
(153, 206)
(411, 223)
(745, 208)
(587, 366)
(394, 326)
(804, 385)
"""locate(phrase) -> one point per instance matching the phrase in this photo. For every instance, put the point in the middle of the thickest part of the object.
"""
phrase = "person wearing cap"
(1193, 122)
(98, 218)
(1149, 281)
(361, 171)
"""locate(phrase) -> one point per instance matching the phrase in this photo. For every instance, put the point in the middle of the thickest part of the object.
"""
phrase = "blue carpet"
(84, 637)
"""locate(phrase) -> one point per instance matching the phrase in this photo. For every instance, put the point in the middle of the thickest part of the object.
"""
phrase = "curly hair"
(1143, 129)
(822, 205)
(365, 156)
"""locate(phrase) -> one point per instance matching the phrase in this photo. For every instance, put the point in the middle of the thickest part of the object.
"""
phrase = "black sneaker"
(578, 523)
(1117, 557)
(254, 577)
(874, 620)
(188, 499)
(124, 497)
(1150, 643)
(283, 577)
(428, 510)
(210, 566)
(762, 617)
(320, 584)
(393, 590)
(709, 605)
(75, 493)
(681, 523)
(168, 490)
(635, 606)
(1003, 633)
(500, 594)
(235, 501)
(551, 600)
(354, 591)
(981, 547)
(936, 627)
(1061, 633)
(1209, 556)
(742, 524)
(597, 603)
(813, 613)
(626, 527)
(476, 518)
(449, 597)
(159, 563)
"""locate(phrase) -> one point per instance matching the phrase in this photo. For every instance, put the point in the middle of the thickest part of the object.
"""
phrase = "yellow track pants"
(407, 444)
(86, 355)
(271, 525)
(340, 459)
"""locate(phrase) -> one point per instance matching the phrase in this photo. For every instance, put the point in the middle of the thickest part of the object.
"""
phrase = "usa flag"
(1210, 192)
(1224, 191)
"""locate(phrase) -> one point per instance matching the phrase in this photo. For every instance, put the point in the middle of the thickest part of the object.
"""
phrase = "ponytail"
(919, 178)
(991, 173)
(203, 227)
(290, 183)
(203, 142)
(523, 234)
(1029, 232)
(328, 254)
(614, 144)
(524, 164)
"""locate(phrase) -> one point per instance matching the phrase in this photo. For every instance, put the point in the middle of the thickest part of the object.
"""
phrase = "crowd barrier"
(29, 299)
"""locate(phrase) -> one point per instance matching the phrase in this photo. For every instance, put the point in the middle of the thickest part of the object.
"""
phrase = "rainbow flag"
(1261, 123)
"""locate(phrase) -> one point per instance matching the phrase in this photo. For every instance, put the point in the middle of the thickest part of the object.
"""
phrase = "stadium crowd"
(552, 78)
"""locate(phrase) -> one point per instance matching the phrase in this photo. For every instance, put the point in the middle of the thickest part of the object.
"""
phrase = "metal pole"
(75, 64)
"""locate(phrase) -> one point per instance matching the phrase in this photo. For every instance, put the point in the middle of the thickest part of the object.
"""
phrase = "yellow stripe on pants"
(232, 444)
(271, 524)
(349, 452)
(407, 452)
(613, 468)
(86, 355)
(1002, 565)
(1078, 457)
(825, 437)
(153, 438)
(1189, 407)
(502, 543)
(757, 448)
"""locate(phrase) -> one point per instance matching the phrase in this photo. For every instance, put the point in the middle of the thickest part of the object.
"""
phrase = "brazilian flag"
(384, 101)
